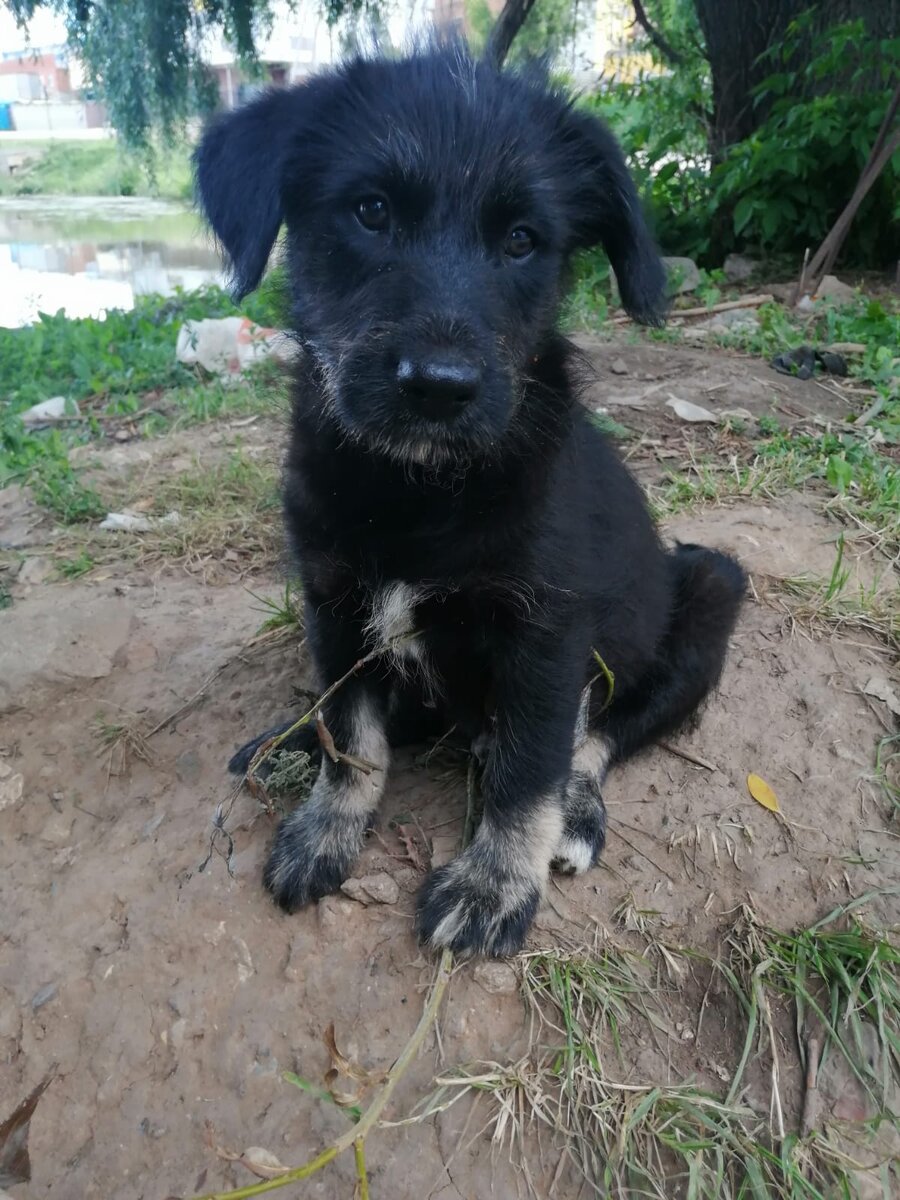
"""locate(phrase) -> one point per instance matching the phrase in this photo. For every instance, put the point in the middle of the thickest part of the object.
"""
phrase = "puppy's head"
(431, 205)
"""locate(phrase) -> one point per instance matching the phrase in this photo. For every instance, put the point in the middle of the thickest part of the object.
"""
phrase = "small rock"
(35, 570)
(497, 978)
(683, 273)
(57, 829)
(132, 522)
(733, 319)
(149, 1129)
(833, 289)
(44, 995)
(188, 766)
(49, 410)
(739, 267)
(688, 411)
(379, 888)
(618, 366)
(245, 967)
(879, 687)
(11, 786)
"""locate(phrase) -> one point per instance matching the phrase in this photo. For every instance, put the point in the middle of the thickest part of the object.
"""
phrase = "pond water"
(89, 254)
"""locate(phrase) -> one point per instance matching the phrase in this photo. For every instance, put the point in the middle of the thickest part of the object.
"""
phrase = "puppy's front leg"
(484, 901)
(317, 844)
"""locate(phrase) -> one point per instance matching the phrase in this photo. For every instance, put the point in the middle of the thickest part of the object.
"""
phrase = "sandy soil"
(170, 992)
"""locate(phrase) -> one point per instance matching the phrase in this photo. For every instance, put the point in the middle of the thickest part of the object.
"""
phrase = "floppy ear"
(605, 208)
(237, 169)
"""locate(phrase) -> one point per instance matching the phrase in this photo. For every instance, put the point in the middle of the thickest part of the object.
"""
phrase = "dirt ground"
(172, 994)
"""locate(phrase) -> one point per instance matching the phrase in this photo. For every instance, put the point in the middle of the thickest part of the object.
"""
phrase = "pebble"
(49, 410)
(57, 829)
(12, 785)
(618, 366)
(739, 267)
(683, 273)
(379, 888)
(44, 995)
(497, 978)
(35, 569)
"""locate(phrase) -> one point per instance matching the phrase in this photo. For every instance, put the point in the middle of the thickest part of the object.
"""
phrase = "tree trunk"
(737, 32)
(511, 19)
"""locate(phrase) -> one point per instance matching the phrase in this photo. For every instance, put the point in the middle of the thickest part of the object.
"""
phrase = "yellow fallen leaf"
(762, 793)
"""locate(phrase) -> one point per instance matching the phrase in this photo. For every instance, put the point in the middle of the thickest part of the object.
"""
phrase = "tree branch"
(883, 149)
(663, 45)
(511, 19)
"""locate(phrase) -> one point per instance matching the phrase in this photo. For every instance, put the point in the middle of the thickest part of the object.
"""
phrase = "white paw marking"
(573, 856)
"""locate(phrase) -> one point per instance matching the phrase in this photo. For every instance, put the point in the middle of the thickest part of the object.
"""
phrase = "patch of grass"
(612, 428)
(862, 486)
(839, 975)
(120, 367)
(122, 354)
(57, 488)
(292, 776)
(5, 597)
(628, 1138)
(829, 604)
(258, 392)
(122, 739)
(887, 770)
(283, 612)
(97, 168)
(590, 294)
(228, 513)
(74, 568)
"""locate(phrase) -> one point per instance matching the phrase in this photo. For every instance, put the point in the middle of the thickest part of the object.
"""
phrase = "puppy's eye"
(373, 213)
(519, 243)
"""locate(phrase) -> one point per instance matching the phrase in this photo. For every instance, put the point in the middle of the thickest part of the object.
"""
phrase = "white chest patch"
(393, 612)
(393, 616)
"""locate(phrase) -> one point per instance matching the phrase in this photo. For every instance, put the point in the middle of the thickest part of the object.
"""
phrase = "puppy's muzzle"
(438, 388)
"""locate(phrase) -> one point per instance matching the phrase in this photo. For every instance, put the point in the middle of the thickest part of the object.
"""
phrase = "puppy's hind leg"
(708, 588)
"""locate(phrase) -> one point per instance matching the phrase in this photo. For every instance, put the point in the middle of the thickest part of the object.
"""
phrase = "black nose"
(438, 388)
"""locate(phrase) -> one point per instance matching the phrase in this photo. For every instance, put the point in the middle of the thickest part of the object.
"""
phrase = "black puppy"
(445, 493)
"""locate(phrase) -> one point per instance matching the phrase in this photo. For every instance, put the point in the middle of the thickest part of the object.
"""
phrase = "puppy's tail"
(708, 588)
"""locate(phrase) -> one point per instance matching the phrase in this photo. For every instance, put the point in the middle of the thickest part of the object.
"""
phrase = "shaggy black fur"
(445, 490)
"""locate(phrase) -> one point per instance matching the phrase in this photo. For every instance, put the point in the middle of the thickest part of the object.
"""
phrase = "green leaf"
(839, 473)
(743, 211)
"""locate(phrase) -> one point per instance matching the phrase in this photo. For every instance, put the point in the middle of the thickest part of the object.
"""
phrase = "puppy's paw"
(584, 830)
(313, 853)
(304, 739)
(469, 907)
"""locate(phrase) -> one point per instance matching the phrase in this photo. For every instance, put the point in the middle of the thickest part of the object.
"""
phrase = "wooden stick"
(687, 756)
(724, 306)
(811, 1095)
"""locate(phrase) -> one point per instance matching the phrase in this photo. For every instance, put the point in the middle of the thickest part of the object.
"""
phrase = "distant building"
(41, 73)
